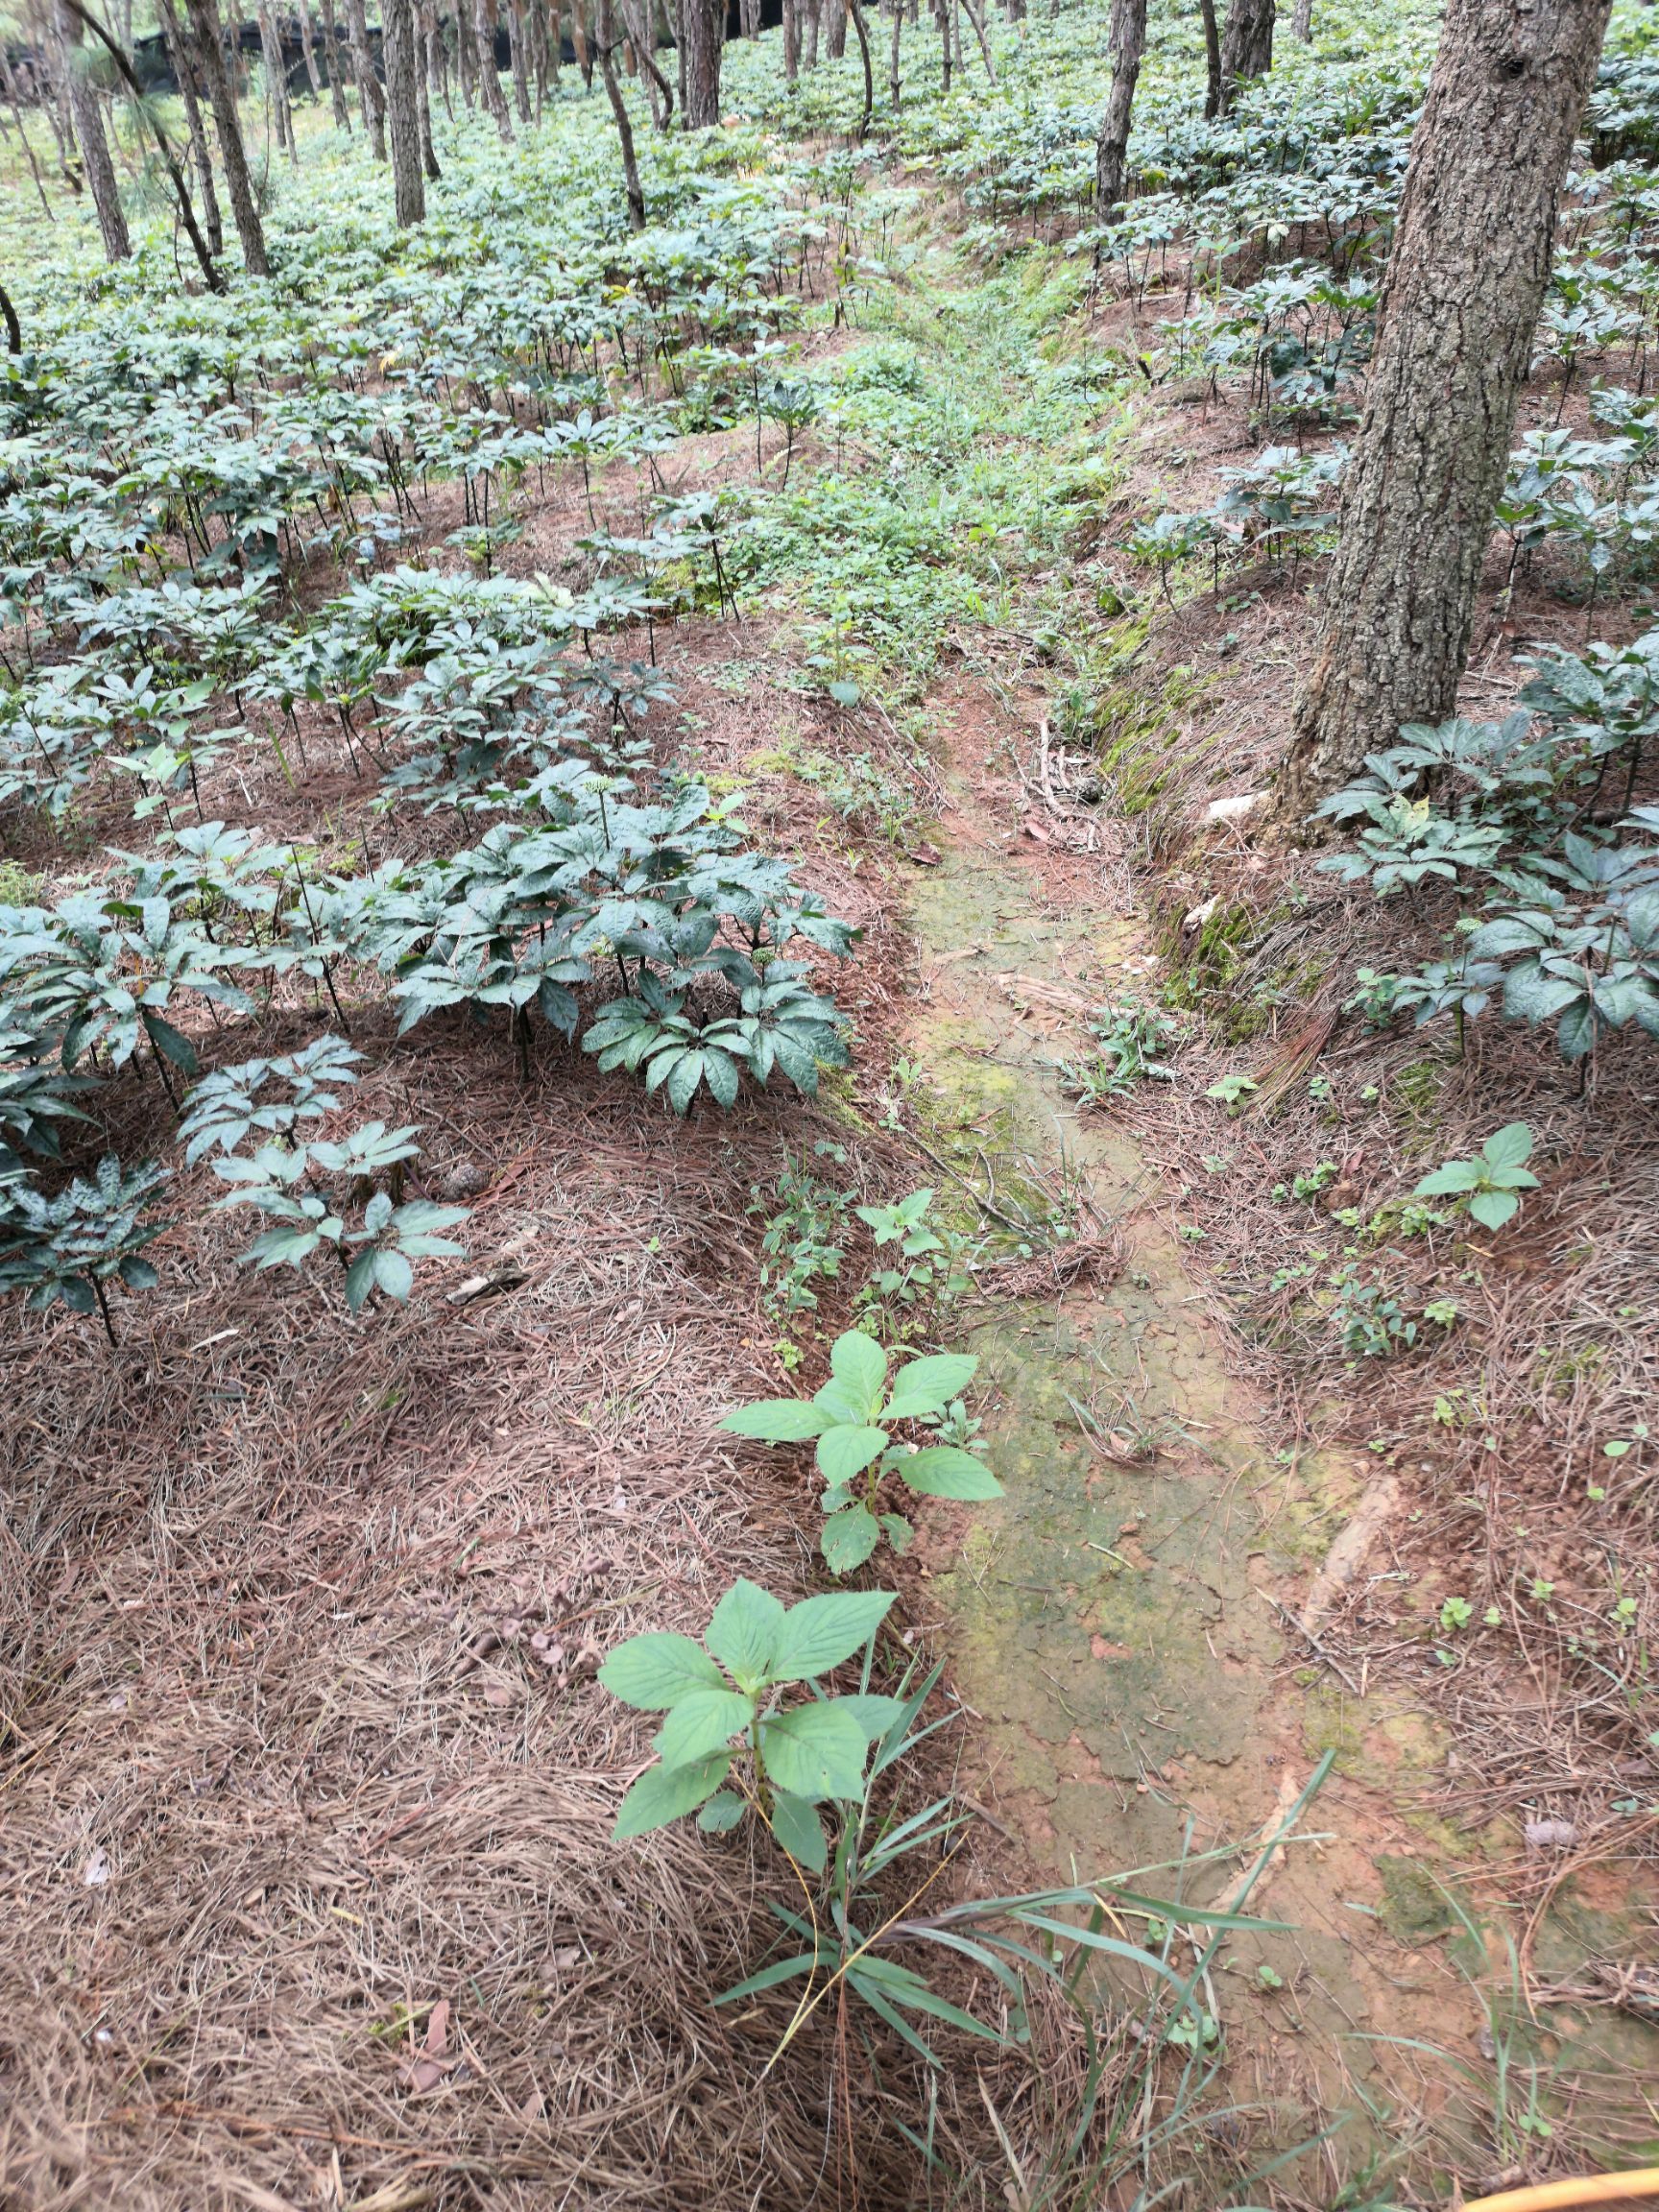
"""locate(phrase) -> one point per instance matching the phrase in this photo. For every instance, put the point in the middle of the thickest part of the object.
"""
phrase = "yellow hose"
(1560, 2196)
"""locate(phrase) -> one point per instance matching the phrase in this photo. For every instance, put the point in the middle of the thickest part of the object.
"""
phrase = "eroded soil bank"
(1135, 1624)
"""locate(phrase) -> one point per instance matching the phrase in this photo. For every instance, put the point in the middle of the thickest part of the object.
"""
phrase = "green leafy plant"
(1491, 1184)
(308, 1190)
(1129, 1039)
(853, 1419)
(730, 1744)
(932, 1261)
(70, 1246)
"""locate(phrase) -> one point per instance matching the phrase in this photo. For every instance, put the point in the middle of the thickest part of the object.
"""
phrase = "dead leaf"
(96, 1871)
(425, 2073)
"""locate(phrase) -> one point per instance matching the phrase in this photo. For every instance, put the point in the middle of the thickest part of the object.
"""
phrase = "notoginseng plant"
(70, 1246)
(730, 1743)
(854, 1418)
(308, 1189)
(1490, 1184)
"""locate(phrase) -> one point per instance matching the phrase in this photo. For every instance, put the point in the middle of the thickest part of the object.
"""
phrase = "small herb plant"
(69, 1246)
(933, 1267)
(1490, 1184)
(805, 1220)
(853, 1419)
(1129, 1043)
(728, 1743)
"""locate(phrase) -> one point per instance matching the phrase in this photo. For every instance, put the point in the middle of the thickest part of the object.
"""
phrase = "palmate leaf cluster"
(69, 1246)
(306, 1186)
(1567, 933)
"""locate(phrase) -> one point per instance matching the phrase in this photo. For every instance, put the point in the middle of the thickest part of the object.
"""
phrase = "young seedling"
(853, 1418)
(1490, 1183)
(722, 1708)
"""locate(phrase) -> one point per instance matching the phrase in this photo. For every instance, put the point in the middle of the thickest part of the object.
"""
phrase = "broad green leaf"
(359, 1278)
(840, 1406)
(743, 1631)
(1493, 1208)
(945, 1471)
(1510, 1146)
(665, 1794)
(722, 1813)
(935, 1379)
(874, 1715)
(394, 1275)
(859, 1365)
(815, 1751)
(843, 1452)
(797, 1828)
(1457, 1175)
(849, 1538)
(899, 1533)
(655, 1672)
(700, 1723)
(777, 1421)
(820, 1632)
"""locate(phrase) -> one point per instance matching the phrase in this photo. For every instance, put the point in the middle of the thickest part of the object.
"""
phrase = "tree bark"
(207, 39)
(1456, 314)
(810, 10)
(310, 50)
(370, 100)
(404, 110)
(1302, 22)
(94, 146)
(184, 69)
(426, 36)
(606, 39)
(1246, 46)
(336, 70)
(834, 29)
(489, 76)
(1212, 61)
(703, 21)
(1127, 39)
(519, 59)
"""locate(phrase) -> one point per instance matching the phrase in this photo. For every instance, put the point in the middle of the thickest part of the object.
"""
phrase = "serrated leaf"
(798, 1829)
(744, 1629)
(700, 1723)
(859, 1365)
(722, 1813)
(653, 1672)
(665, 1794)
(1493, 1208)
(849, 1538)
(946, 1471)
(821, 1632)
(815, 1751)
(843, 1452)
(777, 1421)
(1510, 1146)
(935, 1379)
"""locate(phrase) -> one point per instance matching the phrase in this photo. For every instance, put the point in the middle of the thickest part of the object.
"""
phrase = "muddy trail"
(1127, 1623)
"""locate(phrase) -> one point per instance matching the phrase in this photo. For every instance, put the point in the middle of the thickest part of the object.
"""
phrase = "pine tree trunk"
(1212, 61)
(519, 59)
(94, 146)
(398, 51)
(702, 22)
(489, 76)
(208, 41)
(809, 33)
(370, 100)
(308, 49)
(1128, 43)
(606, 39)
(1246, 46)
(337, 68)
(1455, 320)
(427, 36)
(749, 17)
(184, 68)
(835, 28)
(1302, 22)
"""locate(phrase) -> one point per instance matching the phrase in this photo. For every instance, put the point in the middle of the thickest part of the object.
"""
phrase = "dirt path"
(1116, 1620)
